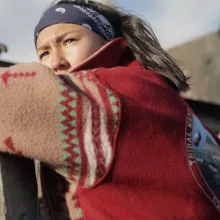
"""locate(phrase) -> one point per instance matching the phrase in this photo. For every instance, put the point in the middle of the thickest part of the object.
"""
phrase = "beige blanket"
(56, 120)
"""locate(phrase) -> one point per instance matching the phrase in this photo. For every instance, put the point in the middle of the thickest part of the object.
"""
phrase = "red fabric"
(149, 177)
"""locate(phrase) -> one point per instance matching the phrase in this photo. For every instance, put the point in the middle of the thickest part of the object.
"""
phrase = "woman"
(112, 123)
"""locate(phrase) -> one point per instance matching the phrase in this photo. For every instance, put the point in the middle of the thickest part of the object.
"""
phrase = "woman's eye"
(43, 55)
(69, 41)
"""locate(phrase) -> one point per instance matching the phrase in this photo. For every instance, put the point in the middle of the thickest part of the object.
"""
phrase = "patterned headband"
(75, 14)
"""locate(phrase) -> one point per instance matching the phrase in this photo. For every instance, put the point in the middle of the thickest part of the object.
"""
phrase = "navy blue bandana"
(75, 14)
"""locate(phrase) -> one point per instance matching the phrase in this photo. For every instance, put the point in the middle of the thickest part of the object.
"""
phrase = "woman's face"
(62, 47)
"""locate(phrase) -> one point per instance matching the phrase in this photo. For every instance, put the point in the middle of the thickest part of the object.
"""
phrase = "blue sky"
(174, 22)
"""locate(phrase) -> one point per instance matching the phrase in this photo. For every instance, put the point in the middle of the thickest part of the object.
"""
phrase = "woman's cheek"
(75, 55)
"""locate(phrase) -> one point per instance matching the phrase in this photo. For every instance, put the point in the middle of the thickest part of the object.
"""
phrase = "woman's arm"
(29, 113)
(68, 122)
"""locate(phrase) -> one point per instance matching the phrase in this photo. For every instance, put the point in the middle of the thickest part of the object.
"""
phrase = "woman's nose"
(59, 63)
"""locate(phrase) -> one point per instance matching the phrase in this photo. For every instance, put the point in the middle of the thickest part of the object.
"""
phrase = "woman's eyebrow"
(57, 38)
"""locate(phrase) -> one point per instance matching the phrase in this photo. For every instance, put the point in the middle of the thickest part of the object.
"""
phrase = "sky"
(173, 21)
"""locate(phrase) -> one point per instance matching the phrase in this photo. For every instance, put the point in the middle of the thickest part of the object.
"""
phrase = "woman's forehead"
(56, 31)
(59, 29)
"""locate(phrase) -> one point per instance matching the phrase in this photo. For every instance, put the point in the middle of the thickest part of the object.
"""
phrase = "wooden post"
(18, 188)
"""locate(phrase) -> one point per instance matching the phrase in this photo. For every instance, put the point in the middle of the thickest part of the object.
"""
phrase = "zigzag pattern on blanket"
(88, 122)
(69, 135)
(69, 131)
(100, 114)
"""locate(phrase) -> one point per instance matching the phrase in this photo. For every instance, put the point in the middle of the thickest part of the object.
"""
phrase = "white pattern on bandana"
(102, 23)
(61, 10)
